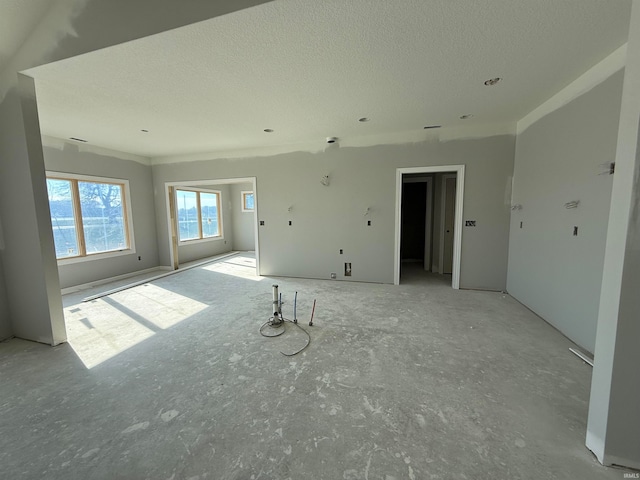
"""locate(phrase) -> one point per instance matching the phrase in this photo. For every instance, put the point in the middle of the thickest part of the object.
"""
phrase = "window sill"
(182, 243)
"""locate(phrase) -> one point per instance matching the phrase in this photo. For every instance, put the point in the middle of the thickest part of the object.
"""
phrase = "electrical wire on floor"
(278, 323)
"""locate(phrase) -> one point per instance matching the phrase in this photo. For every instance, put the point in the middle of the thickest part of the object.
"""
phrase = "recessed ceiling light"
(492, 81)
(428, 127)
(78, 139)
(466, 116)
(268, 130)
(363, 119)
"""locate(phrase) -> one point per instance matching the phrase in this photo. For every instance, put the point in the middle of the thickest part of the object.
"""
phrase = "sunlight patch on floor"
(103, 328)
(238, 266)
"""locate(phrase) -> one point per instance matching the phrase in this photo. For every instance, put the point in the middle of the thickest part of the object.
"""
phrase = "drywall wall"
(244, 238)
(72, 27)
(195, 250)
(554, 273)
(67, 157)
(326, 219)
(5, 323)
(28, 257)
(614, 410)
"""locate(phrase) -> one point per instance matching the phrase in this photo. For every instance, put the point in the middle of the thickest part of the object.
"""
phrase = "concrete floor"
(172, 380)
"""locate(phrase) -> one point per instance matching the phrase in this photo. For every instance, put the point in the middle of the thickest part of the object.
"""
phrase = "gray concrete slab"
(172, 380)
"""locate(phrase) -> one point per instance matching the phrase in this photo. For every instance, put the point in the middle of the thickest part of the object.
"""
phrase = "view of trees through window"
(87, 217)
(248, 203)
(198, 214)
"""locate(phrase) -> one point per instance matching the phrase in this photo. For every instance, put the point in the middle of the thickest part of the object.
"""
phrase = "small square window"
(248, 202)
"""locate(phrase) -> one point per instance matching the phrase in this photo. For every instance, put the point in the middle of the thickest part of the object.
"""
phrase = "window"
(89, 216)
(248, 202)
(198, 214)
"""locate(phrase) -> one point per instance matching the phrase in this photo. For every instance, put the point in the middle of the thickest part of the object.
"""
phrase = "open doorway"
(211, 217)
(429, 204)
(416, 237)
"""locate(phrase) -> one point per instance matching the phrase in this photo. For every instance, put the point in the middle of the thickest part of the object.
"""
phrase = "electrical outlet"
(139, 258)
(575, 231)
(289, 222)
(333, 276)
(470, 223)
(262, 223)
(341, 252)
(520, 224)
(368, 223)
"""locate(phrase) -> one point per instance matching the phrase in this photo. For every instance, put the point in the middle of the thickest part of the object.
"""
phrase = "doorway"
(429, 203)
(417, 220)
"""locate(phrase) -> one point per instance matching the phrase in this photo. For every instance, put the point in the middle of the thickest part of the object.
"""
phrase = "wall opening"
(429, 203)
(173, 212)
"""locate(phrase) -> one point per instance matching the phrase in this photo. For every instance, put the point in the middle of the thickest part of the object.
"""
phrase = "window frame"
(83, 256)
(200, 238)
(243, 196)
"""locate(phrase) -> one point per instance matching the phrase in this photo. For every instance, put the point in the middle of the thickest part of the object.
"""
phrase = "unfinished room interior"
(338, 239)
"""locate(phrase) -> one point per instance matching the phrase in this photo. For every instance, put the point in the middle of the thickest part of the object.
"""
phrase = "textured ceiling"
(309, 69)
(17, 19)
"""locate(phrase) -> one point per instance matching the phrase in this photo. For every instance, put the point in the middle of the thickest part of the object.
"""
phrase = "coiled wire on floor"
(280, 326)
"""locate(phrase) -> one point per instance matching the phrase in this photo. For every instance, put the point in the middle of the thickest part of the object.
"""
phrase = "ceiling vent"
(492, 81)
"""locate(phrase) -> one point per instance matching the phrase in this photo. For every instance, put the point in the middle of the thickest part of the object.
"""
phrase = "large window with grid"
(198, 214)
(89, 215)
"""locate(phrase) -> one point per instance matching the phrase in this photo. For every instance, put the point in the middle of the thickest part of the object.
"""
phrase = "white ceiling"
(309, 69)
(18, 18)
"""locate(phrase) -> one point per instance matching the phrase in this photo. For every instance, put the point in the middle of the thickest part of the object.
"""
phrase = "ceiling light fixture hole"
(268, 130)
(363, 119)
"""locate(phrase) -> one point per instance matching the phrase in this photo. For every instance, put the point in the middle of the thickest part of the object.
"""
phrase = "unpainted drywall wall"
(556, 274)
(243, 222)
(326, 219)
(195, 250)
(71, 159)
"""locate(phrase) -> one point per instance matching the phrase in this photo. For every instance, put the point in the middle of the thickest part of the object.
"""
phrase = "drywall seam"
(445, 134)
(60, 143)
(581, 85)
